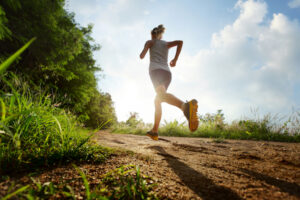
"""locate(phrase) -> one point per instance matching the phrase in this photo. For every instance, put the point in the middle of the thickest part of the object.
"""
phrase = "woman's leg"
(168, 97)
(157, 115)
(163, 96)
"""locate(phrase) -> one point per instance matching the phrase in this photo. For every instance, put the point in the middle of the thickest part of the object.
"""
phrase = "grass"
(125, 182)
(268, 128)
(35, 133)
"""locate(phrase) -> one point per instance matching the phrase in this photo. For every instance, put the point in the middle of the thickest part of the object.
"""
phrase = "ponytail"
(158, 30)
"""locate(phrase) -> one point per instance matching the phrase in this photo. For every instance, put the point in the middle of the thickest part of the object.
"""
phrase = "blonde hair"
(160, 29)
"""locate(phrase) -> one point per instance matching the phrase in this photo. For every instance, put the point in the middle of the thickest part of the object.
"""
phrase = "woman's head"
(157, 32)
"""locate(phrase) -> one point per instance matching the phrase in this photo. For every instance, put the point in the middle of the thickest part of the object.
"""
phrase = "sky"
(238, 55)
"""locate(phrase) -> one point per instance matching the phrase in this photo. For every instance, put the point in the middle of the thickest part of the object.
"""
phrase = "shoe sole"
(193, 125)
(152, 137)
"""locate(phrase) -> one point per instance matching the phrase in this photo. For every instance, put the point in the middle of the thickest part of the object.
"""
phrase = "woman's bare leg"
(163, 96)
(157, 115)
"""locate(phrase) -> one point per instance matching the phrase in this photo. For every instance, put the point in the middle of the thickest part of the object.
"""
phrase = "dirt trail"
(197, 168)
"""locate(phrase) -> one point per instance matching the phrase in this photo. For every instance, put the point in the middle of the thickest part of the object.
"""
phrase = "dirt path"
(197, 168)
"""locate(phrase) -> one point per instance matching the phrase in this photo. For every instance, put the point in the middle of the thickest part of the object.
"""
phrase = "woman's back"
(159, 55)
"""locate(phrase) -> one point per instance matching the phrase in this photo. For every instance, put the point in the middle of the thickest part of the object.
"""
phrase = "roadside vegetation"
(35, 133)
(60, 61)
(268, 127)
(39, 128)
(50, 105)
(125, 182)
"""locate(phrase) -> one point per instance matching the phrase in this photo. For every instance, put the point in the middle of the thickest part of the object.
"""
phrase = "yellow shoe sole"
(152, 137)
(193, 123)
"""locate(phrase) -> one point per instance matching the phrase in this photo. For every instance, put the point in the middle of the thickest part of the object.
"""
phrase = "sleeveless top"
(159, 56)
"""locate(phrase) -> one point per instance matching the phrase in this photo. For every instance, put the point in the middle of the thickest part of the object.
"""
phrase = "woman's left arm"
(148, 45)
(178, 44)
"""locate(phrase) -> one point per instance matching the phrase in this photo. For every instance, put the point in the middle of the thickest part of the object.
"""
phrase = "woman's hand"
(173, 62)
(179, 44)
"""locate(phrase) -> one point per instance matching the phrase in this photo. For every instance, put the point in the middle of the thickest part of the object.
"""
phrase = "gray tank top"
(159, 56)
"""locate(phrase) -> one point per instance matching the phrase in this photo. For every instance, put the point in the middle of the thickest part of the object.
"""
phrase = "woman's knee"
(160, 93)
(157, 100)
(160, 89)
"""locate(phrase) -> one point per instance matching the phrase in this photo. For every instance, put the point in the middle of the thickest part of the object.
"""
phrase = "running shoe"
(152, 135)
(190, 112)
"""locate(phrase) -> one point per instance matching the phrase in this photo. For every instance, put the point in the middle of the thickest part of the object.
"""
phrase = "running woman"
(161, 76)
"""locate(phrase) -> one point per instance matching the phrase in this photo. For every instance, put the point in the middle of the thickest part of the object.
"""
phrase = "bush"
(213, 125)
(34, 133)
(60, 60)
(133, 125)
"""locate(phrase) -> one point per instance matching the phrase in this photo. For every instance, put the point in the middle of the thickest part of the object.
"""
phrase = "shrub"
(34, 132)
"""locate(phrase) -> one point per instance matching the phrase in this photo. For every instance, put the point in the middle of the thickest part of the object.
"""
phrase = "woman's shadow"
(200, 184)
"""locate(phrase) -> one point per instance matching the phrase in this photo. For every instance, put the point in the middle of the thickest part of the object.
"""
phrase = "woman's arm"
(148, 45)
(179, 44)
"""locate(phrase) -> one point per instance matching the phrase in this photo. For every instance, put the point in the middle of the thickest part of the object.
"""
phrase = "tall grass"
(33, 131)
(269, 128)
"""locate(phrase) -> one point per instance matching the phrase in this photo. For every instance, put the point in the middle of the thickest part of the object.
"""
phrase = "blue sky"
(237, 55)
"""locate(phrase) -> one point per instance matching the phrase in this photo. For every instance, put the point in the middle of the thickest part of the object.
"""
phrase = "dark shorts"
(160, 77)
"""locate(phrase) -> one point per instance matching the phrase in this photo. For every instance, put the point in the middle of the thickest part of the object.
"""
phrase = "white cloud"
(251, 63)
(294, 4)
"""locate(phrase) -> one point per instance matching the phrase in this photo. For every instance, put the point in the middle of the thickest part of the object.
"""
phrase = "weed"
(34, 132)
(125, 182)
(269, 128)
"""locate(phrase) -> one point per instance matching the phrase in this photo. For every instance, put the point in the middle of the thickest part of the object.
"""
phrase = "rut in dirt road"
(197, 182)
(199, 168)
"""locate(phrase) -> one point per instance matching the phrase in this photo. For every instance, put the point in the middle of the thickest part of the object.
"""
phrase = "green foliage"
(125, 182)
(60, 61)
(4, 31)
(134, 125)
(46, 190)
(34, 133)
(213, 120)
(214, 126)
(100, 111)
(134, 120)
(168, 128)
(12, 58)
(15, 193)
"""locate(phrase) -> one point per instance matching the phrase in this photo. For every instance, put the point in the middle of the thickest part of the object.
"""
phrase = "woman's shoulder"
(164, 42)
(149, 43)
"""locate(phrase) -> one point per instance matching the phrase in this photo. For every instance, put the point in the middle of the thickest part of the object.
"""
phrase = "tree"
(61, 60)
(100, 111)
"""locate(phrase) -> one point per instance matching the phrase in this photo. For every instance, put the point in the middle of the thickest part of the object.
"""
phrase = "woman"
(161, 76)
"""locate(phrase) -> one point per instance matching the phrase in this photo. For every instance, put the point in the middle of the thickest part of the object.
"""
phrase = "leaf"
(15, 192)
(13, 57)
(85, 181)
(3, 109)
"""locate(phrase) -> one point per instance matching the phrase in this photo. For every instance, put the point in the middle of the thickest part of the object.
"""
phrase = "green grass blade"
(58, 124)
(15, 192)
(13, 57)
(3, 110)
(85, 182)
